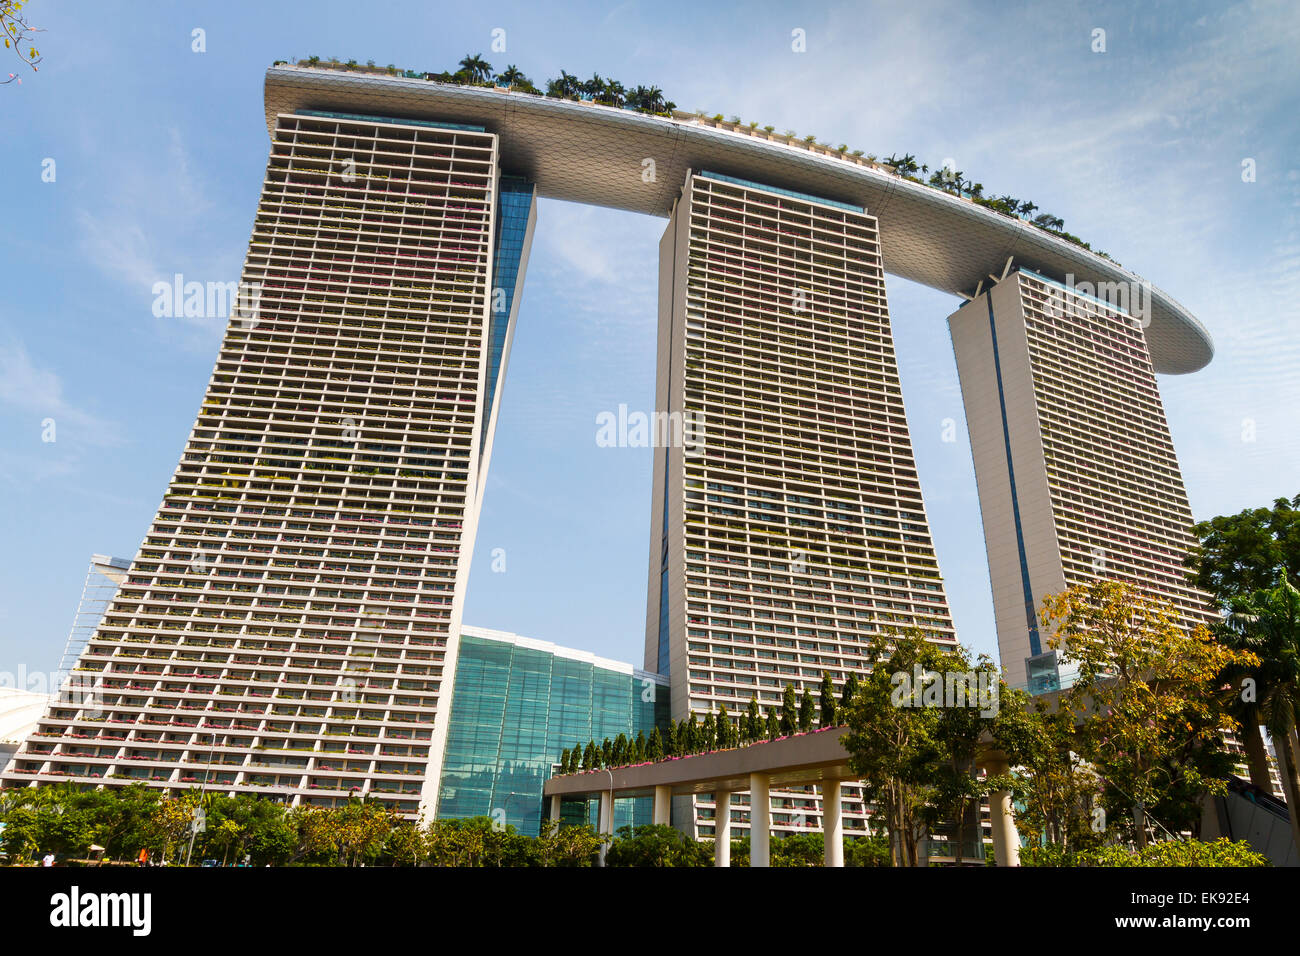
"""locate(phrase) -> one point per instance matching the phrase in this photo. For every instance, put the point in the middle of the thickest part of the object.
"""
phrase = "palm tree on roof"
(594, 87)
(613, 94)
(477, 68)
(512, 76)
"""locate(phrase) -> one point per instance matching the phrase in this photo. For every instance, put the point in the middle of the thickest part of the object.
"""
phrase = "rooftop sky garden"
(473, 70)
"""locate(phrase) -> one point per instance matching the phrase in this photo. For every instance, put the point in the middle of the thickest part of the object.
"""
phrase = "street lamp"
(199, 818)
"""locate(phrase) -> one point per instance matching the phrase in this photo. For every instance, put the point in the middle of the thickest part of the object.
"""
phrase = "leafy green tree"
(807, 711)
(891, 745)
(476, 68)
(512, 76)
(867, 851)
(773, 724)
(726, 729)
(1057, 790)
(1237, 555)
(638, 748)
(708, 732)
(1265, 625)
(1162, 853)
(789, 711)
(569, 846)
(957, 789)
(656, 845)
(851, 684)
(607, 753)
(753, 722)
(655, 748)
(827, 701)
(798, 849)
(1149, 712)
(589, 757)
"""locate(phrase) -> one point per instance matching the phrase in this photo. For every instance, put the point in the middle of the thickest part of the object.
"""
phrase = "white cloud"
(38, 393)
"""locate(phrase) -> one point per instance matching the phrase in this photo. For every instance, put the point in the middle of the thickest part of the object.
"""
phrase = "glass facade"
(516, 705)
(514, 201)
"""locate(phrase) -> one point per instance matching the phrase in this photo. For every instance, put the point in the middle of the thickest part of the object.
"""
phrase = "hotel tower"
(1074, 462)
(289, 625)
(788, 532)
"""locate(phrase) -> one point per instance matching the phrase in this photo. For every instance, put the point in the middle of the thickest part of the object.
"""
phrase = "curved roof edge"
(594, 154)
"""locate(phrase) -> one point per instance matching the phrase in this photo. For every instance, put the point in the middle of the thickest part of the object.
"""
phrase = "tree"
(476, 68)
(789, 711)
(709, 733)
(655, 747)
(891, 747)
(566, 86)
(589, 756)
(851, 685)
(512, 76)
(18, 36)
(656, 845)
(568, 846)
(1266, 626)
(773, 724)
(725, 729)
(694, 738)
(827, 701)
(1148, 708)
(607, 753)
(594, 88)
(613, 94)
(807, 711)
(638, 748)
(356, 831)
(170, 824)
(753, 722)
(1237, 555)
(956, 736)
(1056, 788)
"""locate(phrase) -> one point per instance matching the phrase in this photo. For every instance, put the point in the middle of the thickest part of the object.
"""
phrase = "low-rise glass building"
(517, 703)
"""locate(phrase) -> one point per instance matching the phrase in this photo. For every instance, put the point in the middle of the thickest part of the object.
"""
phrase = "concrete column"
(1006, 841)
(760, 820)
(722, 828)
(833, 823)
(664, 805)
(555, 808)
(606, 820)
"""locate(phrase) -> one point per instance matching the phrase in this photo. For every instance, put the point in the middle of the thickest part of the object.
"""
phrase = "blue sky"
(159, 153)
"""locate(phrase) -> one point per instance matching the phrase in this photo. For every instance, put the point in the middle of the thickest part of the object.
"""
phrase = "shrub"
(1221, 852)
